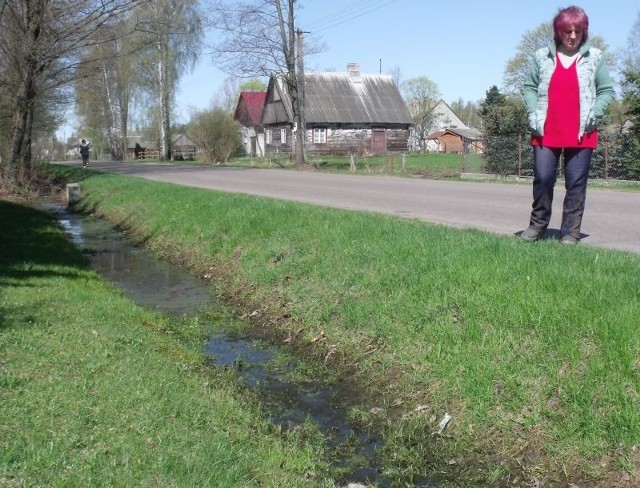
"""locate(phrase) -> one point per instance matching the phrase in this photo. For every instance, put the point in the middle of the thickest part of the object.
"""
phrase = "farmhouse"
(345, 113)
(249, 115)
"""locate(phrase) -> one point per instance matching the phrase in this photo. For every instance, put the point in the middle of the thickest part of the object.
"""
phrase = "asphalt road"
(611, 220)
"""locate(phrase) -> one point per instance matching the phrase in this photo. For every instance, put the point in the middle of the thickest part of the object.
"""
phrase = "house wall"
(342, 142)
(397, 140)
(276, 147)
(252, 141)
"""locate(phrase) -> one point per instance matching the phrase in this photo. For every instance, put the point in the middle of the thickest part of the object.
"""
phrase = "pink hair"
(570, 17)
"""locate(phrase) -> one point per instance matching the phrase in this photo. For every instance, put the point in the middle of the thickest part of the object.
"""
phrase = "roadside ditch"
(290, 398)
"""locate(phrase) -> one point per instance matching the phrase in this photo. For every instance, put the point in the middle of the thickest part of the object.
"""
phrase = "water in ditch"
(289, 401)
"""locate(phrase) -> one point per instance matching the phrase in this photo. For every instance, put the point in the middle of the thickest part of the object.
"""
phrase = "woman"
(566, 92)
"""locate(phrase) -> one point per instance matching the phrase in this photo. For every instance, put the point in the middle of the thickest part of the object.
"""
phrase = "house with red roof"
(249, 115)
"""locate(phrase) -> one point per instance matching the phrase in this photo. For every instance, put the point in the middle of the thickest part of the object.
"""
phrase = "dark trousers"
(576, 172)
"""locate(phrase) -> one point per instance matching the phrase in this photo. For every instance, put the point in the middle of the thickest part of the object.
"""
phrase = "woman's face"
(571, 38)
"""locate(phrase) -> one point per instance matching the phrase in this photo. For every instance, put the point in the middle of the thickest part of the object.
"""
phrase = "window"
(283, 136)
(267, 136)
(319, 136)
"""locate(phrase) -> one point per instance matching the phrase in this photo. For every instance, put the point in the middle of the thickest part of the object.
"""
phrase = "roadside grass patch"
(95, 391)
(414, 164)
(531, 347)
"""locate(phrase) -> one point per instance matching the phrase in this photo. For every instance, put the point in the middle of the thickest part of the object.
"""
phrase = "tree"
(40, 45)
(104, 91)
(173, 30)
(631, 55)
(421, 96)
(624, 135)
(231, 89)
(517, 66)
(260, 38)
(396, 74)
(469, 112)
(625, 146)
(216, 133)
(504, 120)
(632, 99)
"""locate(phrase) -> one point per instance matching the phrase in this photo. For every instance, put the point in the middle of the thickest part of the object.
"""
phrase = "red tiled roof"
(253, 102)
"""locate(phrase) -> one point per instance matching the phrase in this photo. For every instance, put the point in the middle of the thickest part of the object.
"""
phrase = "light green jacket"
(596, 87)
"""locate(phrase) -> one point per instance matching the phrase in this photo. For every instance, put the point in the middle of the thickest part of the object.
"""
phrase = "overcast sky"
(463, 46)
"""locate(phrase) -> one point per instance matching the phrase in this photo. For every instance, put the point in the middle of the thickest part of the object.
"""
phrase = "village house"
(451, 134)
(345, 113)
(249, 115)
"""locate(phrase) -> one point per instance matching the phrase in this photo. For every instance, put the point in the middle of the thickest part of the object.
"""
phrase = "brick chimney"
(353, 69)
(354, 72)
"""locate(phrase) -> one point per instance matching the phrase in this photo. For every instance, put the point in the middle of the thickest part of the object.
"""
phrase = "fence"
(617, 156)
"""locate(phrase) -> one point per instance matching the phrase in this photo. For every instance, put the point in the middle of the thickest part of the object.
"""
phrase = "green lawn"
(430, 164)
(438, 165)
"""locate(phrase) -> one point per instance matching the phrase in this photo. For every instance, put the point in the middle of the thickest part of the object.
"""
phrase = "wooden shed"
(184, 147)
(345, 113)
(457, 140)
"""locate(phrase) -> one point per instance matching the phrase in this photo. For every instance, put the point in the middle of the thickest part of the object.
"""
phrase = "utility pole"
(302, 130)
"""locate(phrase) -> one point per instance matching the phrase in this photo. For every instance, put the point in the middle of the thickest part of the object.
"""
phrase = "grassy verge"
(430, 164)
(95, 391)
(531, 348)
(434, 165)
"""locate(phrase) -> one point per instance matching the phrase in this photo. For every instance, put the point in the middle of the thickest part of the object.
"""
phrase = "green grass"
(95, 391)
(431, 164)
(531, 347)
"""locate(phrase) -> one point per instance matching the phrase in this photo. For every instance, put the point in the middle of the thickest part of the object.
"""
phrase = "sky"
(463, 45)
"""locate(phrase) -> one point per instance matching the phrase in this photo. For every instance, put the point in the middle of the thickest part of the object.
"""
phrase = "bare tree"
(261, 39)
(40, 45)
(104, 90)
(228, 98)
(174, 29)
(396, 73)
(631, 53)
(421, 96)
(216, 133)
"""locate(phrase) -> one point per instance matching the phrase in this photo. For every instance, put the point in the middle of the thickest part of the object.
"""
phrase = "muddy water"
(290, 402)
(144, 279)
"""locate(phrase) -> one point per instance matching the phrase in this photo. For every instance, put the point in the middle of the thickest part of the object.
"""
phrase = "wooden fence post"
(519, 155)
(606, 156)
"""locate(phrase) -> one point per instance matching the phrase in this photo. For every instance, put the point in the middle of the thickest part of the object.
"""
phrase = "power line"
(348, 14)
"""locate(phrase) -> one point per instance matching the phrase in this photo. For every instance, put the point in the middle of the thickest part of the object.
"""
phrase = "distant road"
(611, 220)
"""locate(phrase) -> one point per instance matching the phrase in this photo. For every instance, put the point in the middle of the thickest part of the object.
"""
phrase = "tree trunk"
(288, 36)
(163, 92)
(297, 122)
(18, 164)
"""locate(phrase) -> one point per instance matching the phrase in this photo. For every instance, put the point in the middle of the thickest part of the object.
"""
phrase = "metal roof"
(464, 132)
(353, 99)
